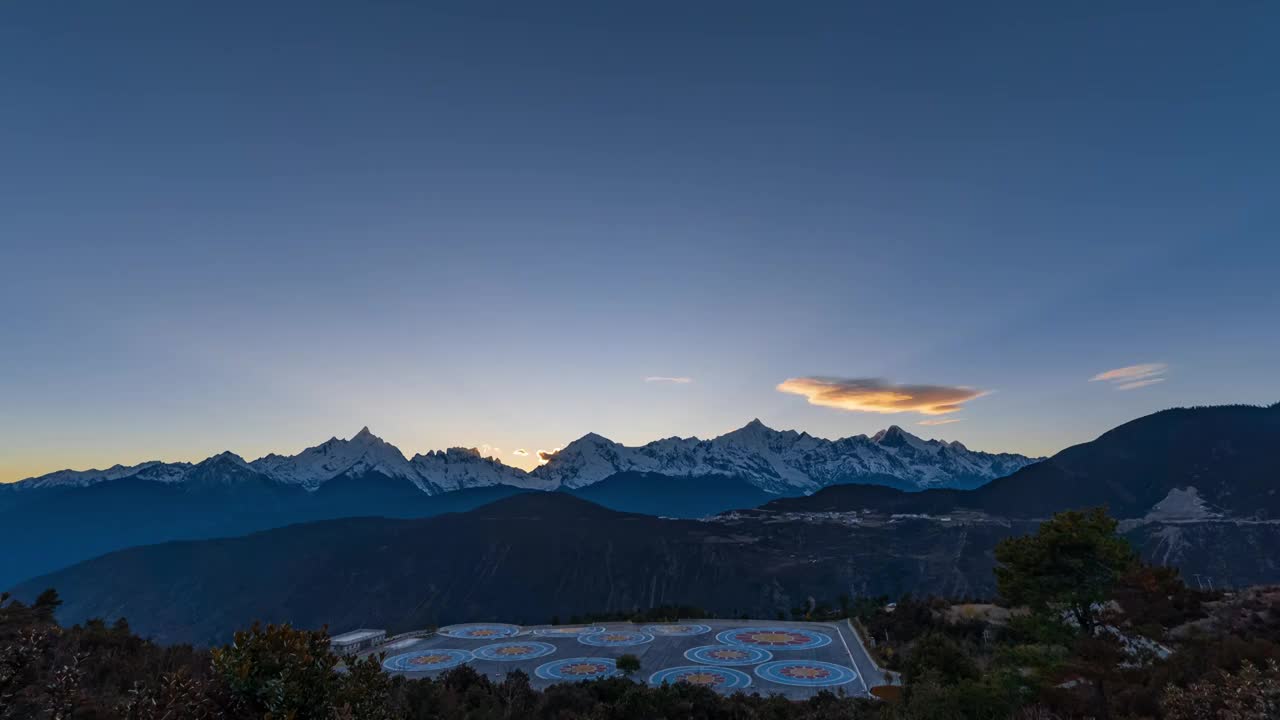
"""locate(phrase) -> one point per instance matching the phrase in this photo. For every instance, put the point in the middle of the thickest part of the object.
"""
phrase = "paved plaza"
(795, 659)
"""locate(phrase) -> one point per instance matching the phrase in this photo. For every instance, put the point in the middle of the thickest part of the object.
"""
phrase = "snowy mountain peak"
(784, 462)
(458, 468)
(150, 470)
(363, 453)
(892, 435)
(903, 441)
(591, 439)
(755, 427)
(226, 456)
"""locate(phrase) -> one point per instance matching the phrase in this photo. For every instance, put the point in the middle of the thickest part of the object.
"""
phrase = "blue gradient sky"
(256, 225)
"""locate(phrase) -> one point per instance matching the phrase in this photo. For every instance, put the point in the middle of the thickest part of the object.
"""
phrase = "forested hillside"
(1083, 630)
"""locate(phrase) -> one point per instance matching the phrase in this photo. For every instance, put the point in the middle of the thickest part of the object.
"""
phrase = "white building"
(354, 641)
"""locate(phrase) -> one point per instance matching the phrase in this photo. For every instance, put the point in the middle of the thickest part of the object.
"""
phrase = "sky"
(253, 226)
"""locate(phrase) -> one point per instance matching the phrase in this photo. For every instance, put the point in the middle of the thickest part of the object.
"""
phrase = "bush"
(629, 664)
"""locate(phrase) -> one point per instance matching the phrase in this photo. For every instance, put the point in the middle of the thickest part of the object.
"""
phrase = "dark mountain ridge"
(57, 527)
(521, 559)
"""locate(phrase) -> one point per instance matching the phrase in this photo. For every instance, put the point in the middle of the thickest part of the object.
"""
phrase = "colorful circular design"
(426, 660)
(716, 678)
(616, 638)
(728, 655)
(774, 638)
(513, 651)
(806, 673)
(480, 631)
(583, 668)
(677, 630)
(568, 631)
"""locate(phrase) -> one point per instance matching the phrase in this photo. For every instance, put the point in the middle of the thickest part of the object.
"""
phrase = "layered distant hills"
(70, 515)
(1195, 488)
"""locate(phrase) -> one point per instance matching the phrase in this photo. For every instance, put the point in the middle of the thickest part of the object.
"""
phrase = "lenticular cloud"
(880, 396)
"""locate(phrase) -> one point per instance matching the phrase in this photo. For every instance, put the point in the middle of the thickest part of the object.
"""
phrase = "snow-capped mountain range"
(783, 462)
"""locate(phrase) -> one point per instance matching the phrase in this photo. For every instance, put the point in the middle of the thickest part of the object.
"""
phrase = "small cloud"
(544, 455)
(1133, 377)
(1139, 383)
(880, 396)
(669, 380)
(940, 421)
(521, 452)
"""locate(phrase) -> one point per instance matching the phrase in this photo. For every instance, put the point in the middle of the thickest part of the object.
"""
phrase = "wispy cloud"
(880, 396)
(1132, 377)
(669, 380)
(1139, 383)
(940, 421)
(521, 452)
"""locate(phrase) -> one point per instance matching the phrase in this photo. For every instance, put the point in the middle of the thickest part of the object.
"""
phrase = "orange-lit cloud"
(545, 455)
(671, 380)
(880, 396)
(940, 421)
(521, 452)
(1133, 377)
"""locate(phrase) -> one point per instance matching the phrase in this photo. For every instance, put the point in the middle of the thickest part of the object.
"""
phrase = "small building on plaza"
(349, 643)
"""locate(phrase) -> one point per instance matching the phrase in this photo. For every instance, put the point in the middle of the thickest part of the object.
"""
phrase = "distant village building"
(349, 643)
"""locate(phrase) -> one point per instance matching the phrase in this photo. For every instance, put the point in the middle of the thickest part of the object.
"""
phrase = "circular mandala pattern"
(616, 638)
(584, 668)
(806, 673)
(774, 638)
(568, 631)
(728, 655)
(716, 678)
(513, 651)
(479, 631)
(677, 630)
(426, 660)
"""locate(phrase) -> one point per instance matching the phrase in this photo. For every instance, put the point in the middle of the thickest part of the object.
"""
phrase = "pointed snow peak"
(754, 431)
(755, 427)
(889, 432)
(894, 436)
(592, 439)
(225, 456)
(364, 435)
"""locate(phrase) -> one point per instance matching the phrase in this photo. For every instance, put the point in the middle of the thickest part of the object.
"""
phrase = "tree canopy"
(1068, 568)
